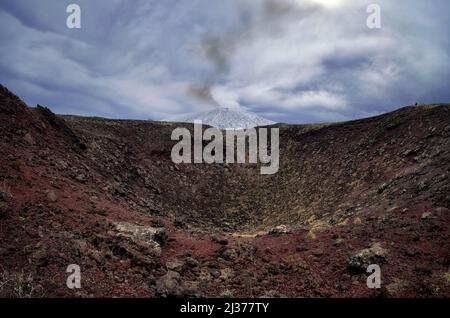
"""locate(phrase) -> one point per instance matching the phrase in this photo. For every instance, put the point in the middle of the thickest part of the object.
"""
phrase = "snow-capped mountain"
(226, 118)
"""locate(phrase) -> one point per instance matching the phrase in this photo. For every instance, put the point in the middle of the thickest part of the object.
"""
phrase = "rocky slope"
(104, 194)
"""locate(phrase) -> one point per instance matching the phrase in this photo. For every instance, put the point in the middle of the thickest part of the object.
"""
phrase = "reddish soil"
(67, 183)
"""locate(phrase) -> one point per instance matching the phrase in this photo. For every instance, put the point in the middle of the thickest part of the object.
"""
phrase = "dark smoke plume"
(203, 93)
(219, 49)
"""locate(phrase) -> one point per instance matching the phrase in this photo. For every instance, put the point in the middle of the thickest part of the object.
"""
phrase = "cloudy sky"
(291, 61)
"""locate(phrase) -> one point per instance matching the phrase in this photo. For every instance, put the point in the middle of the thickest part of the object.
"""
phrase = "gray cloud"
(291, 60)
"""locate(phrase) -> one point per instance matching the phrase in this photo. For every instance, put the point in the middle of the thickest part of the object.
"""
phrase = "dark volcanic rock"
(376, 254)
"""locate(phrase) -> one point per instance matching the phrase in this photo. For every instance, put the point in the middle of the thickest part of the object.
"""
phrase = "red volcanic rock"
(104, 194)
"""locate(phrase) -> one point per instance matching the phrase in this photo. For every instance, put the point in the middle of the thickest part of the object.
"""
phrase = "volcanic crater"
(105, 194)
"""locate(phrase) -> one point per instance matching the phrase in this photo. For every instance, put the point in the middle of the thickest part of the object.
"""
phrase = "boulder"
(279, 230)
(318, 253)
(51, 196)
(146, 238)
(29, 139)
(220, 240)
(228, 254)
(376, 254)
(169, 285)
(175, 265)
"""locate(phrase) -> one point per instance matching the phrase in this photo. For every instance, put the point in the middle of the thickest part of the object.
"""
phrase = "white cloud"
(315, 99)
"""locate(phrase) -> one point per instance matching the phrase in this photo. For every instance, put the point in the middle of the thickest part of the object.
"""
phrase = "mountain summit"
(226, 118)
